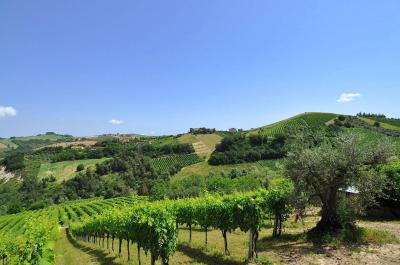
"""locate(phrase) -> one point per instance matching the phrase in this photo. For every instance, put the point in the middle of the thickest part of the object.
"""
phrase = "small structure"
(232, 130)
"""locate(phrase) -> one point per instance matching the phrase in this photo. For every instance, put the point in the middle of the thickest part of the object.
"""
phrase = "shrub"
(80, 167)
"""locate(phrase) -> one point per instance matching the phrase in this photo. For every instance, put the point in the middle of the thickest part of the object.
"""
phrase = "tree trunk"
(190, 233)
(108, 237)
(330, 221)
(225, 242)
(253, 236)
(275, 231)
(119, 247)
(138, 254)
(277, 226)
(112, 243)
(129, 251)
(153, 259)
(206, 236)
(251, 246)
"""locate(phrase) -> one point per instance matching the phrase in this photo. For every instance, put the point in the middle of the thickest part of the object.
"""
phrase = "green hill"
(312, 120)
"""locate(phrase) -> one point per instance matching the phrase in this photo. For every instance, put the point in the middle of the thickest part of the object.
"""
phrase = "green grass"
(187, 138)
(8, 143)
(210, 140)
(203, 169)
(391, 121)
(377, 237)
(66, 169)
(384, 125)
(371, 136)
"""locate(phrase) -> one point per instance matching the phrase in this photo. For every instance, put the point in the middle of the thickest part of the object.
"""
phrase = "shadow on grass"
(288, 243)
(99, 255)
(206, 258)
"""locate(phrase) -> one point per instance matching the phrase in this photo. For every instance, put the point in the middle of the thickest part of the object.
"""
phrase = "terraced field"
(203, 144)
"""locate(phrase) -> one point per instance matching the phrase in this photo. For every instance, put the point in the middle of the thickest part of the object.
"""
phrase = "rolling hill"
(312, 120)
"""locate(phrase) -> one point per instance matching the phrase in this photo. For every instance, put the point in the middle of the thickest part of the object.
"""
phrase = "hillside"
(46, 194)
(312, 120)
(32, 142)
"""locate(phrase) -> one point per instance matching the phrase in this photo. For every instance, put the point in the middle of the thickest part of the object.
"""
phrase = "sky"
(160, 67)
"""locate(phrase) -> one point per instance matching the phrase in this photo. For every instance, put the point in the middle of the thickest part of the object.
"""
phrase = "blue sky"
(160, 67)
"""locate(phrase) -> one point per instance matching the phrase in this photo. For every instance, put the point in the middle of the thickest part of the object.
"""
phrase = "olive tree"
(322, 167)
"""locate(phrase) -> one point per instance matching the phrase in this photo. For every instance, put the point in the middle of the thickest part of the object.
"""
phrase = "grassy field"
(203, 168)
(66, 169)
(382, 124)
(8, 143)
(210, 140)
(188, 138)
(204, 144)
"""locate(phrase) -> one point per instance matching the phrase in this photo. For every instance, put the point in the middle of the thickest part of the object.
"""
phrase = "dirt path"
(70, 252)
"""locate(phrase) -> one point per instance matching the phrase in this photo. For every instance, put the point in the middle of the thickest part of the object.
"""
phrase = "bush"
(80, 167)
(14, 161)
(240, 149)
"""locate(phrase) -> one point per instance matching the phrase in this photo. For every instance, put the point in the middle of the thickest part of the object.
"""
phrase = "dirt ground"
(299, 252)
(76, 143)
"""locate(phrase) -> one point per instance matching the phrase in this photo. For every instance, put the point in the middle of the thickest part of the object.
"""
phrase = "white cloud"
(347, 97)
(116, 122)
(7, 112)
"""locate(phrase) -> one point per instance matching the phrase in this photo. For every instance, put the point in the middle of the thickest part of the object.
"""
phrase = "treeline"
(112, 148)
(201, 130)
(372, 115)
(194, 186)
(239, 149)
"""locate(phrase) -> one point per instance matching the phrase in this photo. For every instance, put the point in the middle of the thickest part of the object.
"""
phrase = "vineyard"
(281, 127)
(166, 163)
(152, 227)
(307, 120)
(25, 238)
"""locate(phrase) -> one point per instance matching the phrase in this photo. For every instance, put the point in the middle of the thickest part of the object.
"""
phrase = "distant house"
(350, 190)
(233, 130)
